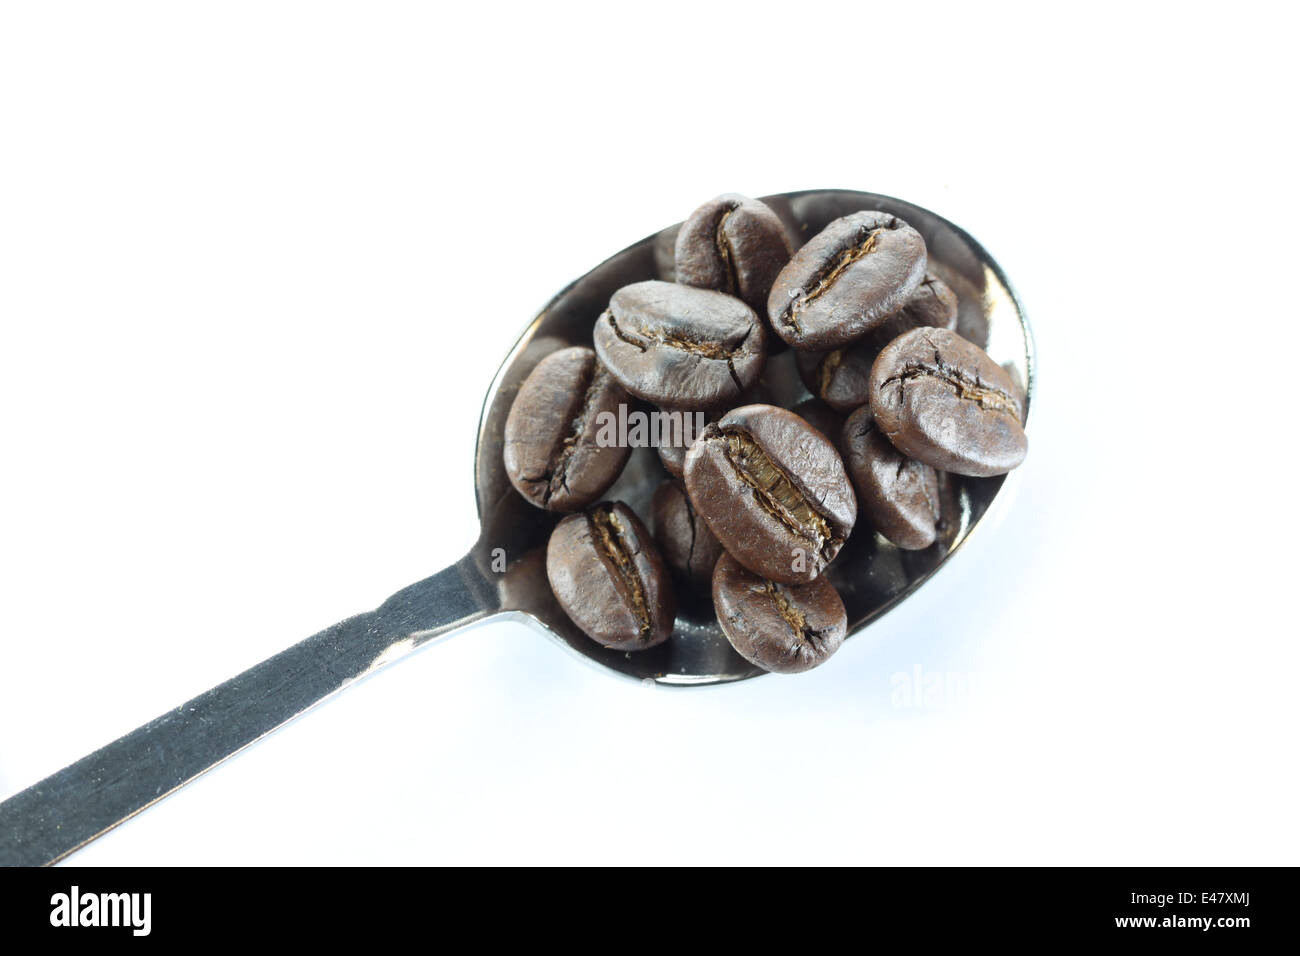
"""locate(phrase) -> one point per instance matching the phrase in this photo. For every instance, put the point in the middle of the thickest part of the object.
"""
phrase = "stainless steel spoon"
(504, 574)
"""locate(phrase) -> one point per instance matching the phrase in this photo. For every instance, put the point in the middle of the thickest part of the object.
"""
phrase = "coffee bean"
(679, 346)
(898, 495)
(773, 490)
(821, 417)
(932, 304)
(1017, 387)
(672, 453)
(943, 401)
(673, 456)
(735, 245)
(551, 453)
(685, 541)
(782, 628)
(840, 376)
(849, 277)
(608, 576)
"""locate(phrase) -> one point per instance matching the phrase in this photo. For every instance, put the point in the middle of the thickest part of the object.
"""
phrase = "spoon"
(504, 575)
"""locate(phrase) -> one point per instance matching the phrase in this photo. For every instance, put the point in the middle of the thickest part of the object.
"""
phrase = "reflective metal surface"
(65, 811)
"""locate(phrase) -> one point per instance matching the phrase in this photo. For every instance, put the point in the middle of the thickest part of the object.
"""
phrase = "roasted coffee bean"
(673, 456)
(608, 576)
(848, 279)
(551, 453)
(782, 628)
(677, 432)
(932, 304)
(943, 401)
(898, 495)
(1017, 387)
(840, 377)
(735, 245)
(678, 346)
(773, 490)
(685, 541)
(821, 417)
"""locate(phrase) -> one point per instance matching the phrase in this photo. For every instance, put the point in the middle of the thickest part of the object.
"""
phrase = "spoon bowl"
(871, 574)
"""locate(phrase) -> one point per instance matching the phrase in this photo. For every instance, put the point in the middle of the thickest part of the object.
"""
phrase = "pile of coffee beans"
(764, 497)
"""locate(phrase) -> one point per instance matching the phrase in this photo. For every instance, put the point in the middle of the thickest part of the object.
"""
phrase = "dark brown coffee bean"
(823, 418)
(1017, 386)
(773, 490)
(685, 541)
(848, 278)
(782, 628)
(608, 576)
(898, 495)
(932, 304)
(841, 376)
(678, 430)
(673, 456)
(943, 401)
(679, 346)
(551, 451)
(735, 245)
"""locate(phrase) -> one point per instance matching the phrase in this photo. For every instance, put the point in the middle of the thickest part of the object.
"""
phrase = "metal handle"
(68, 809)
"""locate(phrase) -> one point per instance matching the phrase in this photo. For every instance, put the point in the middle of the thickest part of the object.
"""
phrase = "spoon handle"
(65, 811)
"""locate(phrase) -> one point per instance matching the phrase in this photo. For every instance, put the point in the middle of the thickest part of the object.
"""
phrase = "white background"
(259, 262)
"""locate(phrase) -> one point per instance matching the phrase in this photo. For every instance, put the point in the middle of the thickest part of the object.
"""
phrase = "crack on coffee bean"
(613, 324)
(785, 607)
(675, 340)
(930, 503)
(725, 252)
(827, 372)
(690, 521)
(556, 475)
(912, 307)
(826, 277)
(969, 387)
(816, 640)
(913, 471)
(776, 493)
(611, 541)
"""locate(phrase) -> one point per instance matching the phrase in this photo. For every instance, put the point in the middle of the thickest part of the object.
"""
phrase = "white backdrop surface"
(259, 262)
